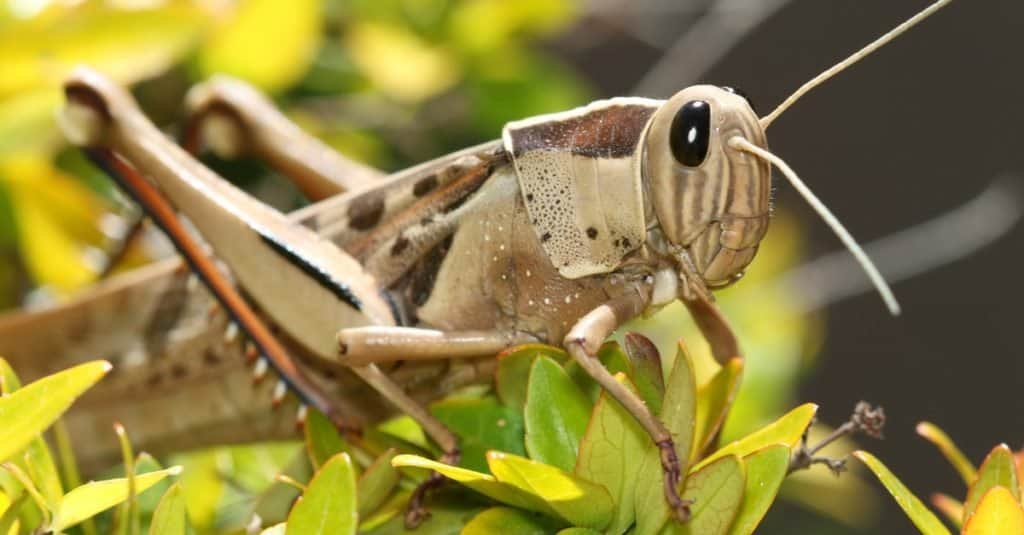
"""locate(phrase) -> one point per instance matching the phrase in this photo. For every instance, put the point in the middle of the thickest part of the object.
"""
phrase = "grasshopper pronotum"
(565, 228)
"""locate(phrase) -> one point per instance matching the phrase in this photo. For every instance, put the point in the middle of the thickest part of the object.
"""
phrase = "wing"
(580, 176)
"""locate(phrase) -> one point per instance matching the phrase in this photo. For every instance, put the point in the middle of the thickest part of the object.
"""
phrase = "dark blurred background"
(919, 128)
(915, 131)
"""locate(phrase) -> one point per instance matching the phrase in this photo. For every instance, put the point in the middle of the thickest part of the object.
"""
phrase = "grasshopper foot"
(417, 513)
(672, 474)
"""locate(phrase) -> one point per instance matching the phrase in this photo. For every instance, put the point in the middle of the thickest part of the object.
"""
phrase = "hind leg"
(233, 118)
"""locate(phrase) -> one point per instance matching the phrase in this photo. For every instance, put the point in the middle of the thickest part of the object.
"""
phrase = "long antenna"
(854, 58)
(831, 220)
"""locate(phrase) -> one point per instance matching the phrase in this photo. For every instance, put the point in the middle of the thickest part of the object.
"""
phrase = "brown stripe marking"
(610, 132)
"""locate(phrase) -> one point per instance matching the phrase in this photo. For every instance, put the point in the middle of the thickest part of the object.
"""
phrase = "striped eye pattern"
(690, 133)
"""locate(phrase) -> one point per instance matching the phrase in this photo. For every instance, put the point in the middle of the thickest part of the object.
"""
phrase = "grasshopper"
(569, 225)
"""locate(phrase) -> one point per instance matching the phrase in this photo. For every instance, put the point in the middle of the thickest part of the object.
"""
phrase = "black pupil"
(690, 133)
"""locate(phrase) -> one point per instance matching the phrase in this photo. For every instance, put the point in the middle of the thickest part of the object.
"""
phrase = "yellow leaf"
(399, 63)
(269, 43)
(998, 513)
(28, 411)
(94, 497)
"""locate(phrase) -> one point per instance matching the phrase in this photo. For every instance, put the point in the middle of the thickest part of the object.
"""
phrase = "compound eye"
(690, 133)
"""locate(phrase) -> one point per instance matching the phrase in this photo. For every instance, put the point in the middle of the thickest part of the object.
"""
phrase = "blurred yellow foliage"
(486, 25)
(269, 43)
(56, 219)
(399, 63)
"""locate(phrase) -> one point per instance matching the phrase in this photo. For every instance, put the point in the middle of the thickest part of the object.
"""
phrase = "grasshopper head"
(711, 199)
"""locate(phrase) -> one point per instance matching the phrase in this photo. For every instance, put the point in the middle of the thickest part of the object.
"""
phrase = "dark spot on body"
(626, 244)
(529, 197)
(592, 233)
(424, 186)
(365, 213)
(178, 371)
(427, 220)
(424, 273)
(210, 358)
(401, 244)
(154, 380)
(545, 237)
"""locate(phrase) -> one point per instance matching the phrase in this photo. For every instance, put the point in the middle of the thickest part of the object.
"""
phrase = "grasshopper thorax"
(711, 200)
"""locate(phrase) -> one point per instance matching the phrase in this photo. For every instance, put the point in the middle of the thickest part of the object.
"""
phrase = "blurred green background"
(907, 135)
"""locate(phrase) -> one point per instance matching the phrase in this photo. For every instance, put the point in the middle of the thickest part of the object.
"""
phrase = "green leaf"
(28, 411)
(713, 402)
(579, 531)
(127, 517)
(322, 438)
(998, 470)
(612, 358)
(786, 430)
(556, 415)
(485, 484)
(449, 512)
(579, 502)
(647, 375)
(29, 487)
(43, 471)
(202, 484)
(149, 500)
(998, 513)
(716, 492)
(923, 519)
(765, 470)
(941, 440)
(92, 498)
(481, 425)
(513, 373)
(405, 429)
(376, 483)
(169, 517)
(678, 413)
(508, 521)
(329, 504)
(608, 453)
(11, 514)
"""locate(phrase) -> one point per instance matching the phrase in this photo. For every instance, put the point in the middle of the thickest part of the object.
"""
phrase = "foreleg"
(583, 342)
